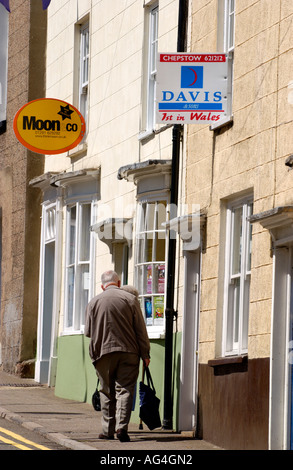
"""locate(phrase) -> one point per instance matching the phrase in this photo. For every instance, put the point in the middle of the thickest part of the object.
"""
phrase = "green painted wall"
(76, 378)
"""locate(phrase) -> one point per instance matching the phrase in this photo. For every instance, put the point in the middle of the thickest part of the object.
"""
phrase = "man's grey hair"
(109, 276)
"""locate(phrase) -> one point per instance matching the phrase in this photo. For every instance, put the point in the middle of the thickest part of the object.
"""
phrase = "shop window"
(150, 262)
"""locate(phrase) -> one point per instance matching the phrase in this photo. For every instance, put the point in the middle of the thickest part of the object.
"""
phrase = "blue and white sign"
(191, 88)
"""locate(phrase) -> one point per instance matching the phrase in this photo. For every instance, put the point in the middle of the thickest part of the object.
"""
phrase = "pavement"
(76, 425)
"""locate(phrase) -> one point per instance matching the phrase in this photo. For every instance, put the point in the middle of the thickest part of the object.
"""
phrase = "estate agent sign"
(191, 88)
(49, 126)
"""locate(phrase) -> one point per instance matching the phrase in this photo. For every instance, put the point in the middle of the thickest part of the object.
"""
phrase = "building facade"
(107, 203)
(22, 46)
(104, 202)
(238, 172)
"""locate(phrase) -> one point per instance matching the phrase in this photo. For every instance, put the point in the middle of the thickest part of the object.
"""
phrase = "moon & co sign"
(49, 126)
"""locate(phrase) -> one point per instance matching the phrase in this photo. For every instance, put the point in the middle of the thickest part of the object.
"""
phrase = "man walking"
(115, 324)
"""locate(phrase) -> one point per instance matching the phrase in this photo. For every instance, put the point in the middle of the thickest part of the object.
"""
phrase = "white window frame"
(76, 325)
(152, 65)
(155, 327)
(229, 26)
(235, 322)
(226, 44)
(84, 59)
(150, 70)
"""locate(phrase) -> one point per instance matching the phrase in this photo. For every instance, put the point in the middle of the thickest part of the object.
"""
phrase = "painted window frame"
(151, 50)
(74, 321)
(237, 281)
(226, 44)
(149, 235)
(84, 64)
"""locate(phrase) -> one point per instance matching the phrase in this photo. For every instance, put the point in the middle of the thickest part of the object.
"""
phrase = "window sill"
(72, 332)
(229, 365)
(146, 134)
(78, 151)
(228, 120)
(221, 361)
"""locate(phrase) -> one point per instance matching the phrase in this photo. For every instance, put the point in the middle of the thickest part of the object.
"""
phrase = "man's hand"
(146, 362)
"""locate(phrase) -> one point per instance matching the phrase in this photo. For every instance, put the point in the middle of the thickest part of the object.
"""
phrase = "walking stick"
(143, 372)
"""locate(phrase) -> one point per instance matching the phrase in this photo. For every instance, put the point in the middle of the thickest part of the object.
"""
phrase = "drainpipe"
(169, 311)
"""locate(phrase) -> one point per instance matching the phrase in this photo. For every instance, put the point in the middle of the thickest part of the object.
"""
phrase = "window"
(150, 261)
(78, 264)
(3, 65)
(150, 66)
(84, 71)
(229, 22)
(226, 44)
(237, 279)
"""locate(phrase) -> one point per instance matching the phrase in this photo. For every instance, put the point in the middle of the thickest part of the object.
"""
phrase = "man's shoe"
(103, 436)
(122, 435)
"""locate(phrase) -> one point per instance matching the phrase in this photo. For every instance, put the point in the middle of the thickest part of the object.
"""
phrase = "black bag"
(96, 401)
(149, 403)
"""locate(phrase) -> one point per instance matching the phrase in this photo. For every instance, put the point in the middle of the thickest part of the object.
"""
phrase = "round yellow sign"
(49, 126)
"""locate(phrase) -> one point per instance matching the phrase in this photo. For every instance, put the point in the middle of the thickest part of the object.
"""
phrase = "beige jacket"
(114, 322)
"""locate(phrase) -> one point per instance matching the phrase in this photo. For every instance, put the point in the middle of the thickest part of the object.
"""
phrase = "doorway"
(189, 350)
(281, 372)
(47, 296)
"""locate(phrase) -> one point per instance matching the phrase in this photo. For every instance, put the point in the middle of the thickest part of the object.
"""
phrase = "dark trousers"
(117, 372)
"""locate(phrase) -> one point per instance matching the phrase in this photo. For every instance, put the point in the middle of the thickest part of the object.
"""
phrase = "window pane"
(154, 40)
(148, 275)
(140, 248)
(161, 215)
(85, 234)
(160, 245)
(245, 315)
(84, 291)
(84, 55)
(149, 247)
(237, 241)
(139, 279)
(70, 296)
(141, 218)
(248, 267)
(159, 278)
(236, 300)
(147, 308)
(150, 217)
(72, 234)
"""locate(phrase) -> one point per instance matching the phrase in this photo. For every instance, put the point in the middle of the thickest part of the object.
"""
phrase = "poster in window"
(159, 310)
(148, 310)
(149, 279)
(161, 279)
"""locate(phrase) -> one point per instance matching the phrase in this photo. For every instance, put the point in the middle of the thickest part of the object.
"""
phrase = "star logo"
(65, 112)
